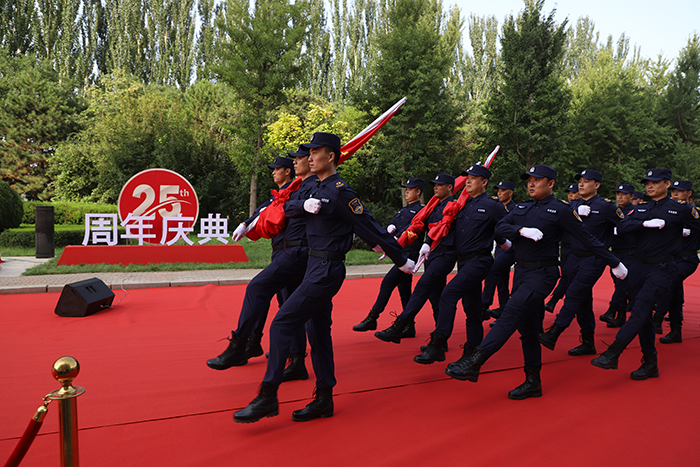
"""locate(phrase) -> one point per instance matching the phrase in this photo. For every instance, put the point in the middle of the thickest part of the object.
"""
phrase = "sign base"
(152, 254)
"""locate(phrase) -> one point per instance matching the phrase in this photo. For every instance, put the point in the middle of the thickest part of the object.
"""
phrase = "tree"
(415, 54)
(258, 55)
(37, 111)
(527, 115)
(614, 127)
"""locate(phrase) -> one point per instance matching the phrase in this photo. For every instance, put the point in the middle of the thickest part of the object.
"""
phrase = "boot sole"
(671, 342)
(428, 362)
(226, 367)
(604, 367)
(365, 330)
(642, 378)
(524, 396)
(547, 345)
(325, 415)
(271, 414)
(385, 339)
(473, 379)
(581, 354)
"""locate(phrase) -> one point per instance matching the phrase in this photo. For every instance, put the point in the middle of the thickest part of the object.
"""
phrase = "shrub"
(66, 212)
(10, 207)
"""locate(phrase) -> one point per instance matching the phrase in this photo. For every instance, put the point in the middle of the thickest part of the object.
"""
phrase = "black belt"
(537, 264)
(440, 249)
(621, 251)
(582, 253)
(294, 243)
(278, 247)
(687, 254)
(656, 259)
(327, 255)
(473, 254)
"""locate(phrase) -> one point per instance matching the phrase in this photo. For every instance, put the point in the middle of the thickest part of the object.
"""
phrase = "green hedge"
(63, 236)
(10, 207)
(68, 213)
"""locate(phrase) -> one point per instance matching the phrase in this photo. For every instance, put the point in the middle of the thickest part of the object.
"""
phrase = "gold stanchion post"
(65, 369)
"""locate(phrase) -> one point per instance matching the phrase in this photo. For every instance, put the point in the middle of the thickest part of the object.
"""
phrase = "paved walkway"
(12, 282)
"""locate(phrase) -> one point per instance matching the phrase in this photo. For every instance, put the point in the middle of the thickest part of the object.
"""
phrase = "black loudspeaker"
(84, 298)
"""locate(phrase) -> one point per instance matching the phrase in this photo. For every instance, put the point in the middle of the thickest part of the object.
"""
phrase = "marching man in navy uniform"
(332, 213)
(473, 231)
(535, 228)
(686, 264)
(658, 227)
(583, 267)
(437, 267)
(623, 247)
(395, 278)
(499, 276)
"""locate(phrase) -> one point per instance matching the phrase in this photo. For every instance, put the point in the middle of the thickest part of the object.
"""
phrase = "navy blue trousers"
(648, 283)
(498, 277)
(672, 301)
(286, 271)
(523, 313)
(563, 284)
(583, 274)
(465, 286)
(620, 296)
(393, 279)
(430, 285)
(311, 302)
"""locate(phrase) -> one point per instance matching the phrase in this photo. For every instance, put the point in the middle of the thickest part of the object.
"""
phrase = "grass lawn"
(258, 257)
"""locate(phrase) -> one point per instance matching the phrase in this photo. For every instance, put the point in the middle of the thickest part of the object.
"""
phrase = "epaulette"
(564, 201)
(494, 197)
(642, 202)
(680, 201)
(608, 200)
(339, 184)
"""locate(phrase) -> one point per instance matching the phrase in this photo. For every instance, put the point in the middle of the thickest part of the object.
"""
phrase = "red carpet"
(152, 401)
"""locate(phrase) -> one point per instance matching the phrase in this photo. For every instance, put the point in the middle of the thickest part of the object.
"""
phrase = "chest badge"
(356, 206)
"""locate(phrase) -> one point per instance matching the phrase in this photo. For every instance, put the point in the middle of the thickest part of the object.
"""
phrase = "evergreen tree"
(258, 56)
(527, 115)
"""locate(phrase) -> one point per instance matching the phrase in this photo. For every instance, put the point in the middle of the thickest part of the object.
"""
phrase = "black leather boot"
(296, 368)
(485, 316)
(265, 405)
(587, 346)
(320, 407)
(253, 347)
(367, 324)
(409, 331)
(609, 315)
(468, 369)
(495, 313)
(532, 387)
(552, 303)
(234, 355)
(608, 359)
(549, 339)
(649, 368)
(672, 337)
(658, 323)
(433, 353)
(467, 351)
(619, 320)
(393, 332)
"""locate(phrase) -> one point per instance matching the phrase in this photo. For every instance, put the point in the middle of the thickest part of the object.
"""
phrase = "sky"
(658, 27)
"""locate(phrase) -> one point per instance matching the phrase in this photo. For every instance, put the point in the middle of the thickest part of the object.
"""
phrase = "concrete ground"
(12, 281)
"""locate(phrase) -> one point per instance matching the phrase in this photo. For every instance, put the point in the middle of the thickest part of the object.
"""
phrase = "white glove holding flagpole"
(391, 228)
(240, 232)
(409, 267)
(620, 271)
(424, 253)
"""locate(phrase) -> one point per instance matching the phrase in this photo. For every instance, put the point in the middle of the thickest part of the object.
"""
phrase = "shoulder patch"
(695, 213)
(339, 183)
(577, 216)
(356, 206)
(619, 213)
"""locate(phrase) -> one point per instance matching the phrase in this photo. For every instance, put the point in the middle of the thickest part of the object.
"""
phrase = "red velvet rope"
(24, 442)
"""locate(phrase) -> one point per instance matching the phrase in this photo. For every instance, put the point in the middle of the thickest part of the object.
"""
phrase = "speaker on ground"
(84, 298)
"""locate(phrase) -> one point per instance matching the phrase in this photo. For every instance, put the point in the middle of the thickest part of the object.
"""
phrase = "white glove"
(686, 232)
(584, 210)
(408, 267)
(620, 271)
(312, 205)
(532, 233)
(614, 230)
(391, 228)
(654, 224)
(378, 249)
(240, 232)
(506, 245)
(424, 252)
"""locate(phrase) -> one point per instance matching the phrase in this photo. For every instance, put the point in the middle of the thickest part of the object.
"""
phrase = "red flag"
(271, 221)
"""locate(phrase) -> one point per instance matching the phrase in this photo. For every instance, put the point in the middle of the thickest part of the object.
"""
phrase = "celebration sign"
(157, 206)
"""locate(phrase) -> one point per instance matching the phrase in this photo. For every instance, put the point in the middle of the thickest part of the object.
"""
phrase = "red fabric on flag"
(271, 220)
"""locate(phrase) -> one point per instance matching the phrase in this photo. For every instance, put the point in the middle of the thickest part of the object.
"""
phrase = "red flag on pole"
(271, 221)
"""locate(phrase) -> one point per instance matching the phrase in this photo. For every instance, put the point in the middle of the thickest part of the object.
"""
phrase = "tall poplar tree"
(258, 53)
